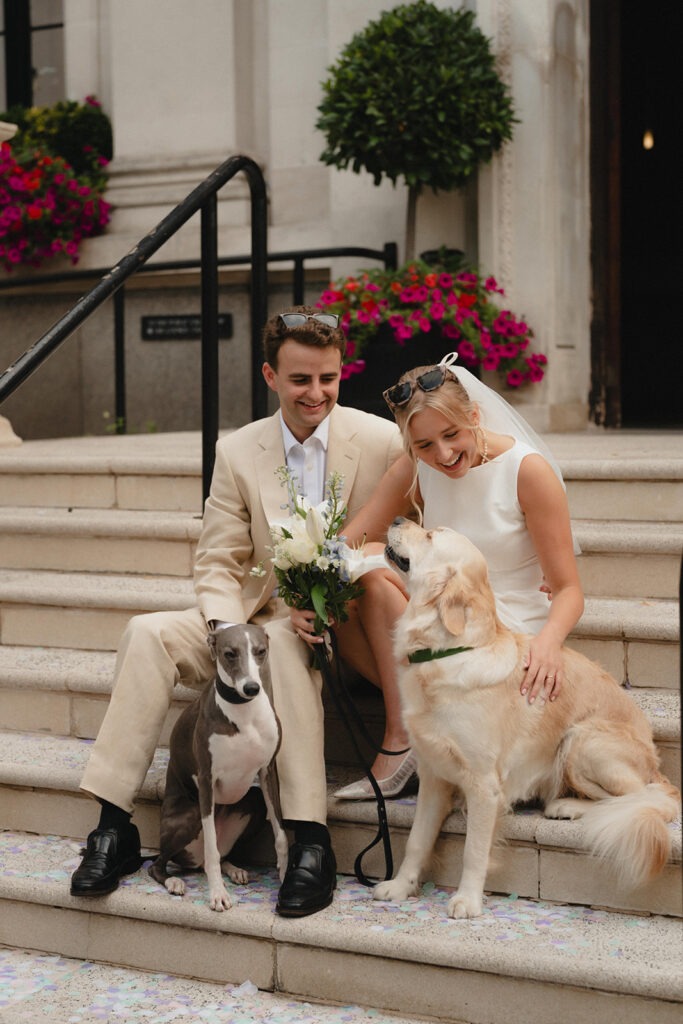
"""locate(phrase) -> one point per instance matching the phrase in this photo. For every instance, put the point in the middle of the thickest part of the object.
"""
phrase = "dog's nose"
(251, 689)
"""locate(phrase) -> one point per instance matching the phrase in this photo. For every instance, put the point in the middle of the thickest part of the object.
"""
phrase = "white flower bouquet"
(313, 565)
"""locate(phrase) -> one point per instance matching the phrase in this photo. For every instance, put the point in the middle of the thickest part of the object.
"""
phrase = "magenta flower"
(450, 331)
(514, 378)
(490, 361)
(491, 285)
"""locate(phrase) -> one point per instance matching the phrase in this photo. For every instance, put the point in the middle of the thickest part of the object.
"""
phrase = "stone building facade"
(188, 84)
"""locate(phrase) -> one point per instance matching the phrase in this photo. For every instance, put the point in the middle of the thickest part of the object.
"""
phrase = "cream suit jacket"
(164, 648)
(247, 496)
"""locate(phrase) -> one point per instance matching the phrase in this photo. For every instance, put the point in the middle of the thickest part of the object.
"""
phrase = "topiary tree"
(416, 95)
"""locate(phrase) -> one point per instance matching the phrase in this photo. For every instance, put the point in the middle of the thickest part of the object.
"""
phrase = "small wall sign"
(181, 327)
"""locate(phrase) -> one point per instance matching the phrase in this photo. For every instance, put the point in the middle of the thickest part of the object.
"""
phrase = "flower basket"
(51, 183)
(397, 319)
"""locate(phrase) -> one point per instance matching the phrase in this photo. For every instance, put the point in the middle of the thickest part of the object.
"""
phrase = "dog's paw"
(237, 875)
(175, 886)
(568, 809)
(464, 905)
(219, 899)
(394, 891)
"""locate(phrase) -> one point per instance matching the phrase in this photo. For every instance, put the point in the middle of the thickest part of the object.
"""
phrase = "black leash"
(347, 709)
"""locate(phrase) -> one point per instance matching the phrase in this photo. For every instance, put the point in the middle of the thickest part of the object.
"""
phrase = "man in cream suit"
(303, 351)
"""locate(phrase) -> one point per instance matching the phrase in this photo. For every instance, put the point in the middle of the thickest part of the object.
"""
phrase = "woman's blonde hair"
(450, 399)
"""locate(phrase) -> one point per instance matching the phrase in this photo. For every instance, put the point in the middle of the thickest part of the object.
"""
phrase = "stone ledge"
(557, 945)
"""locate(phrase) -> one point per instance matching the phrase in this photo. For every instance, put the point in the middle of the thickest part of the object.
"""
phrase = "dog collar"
(229, 694)
(426, 654)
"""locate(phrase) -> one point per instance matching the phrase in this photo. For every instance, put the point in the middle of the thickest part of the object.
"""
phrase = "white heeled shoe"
(391, 787)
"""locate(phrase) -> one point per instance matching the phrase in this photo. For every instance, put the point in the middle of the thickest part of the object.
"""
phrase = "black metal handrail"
(202, 199)
(14, 376)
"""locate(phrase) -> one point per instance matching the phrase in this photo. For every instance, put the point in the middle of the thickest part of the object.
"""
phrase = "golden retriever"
(589, 754)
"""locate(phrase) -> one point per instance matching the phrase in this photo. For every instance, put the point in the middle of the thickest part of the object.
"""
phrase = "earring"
(485, 452)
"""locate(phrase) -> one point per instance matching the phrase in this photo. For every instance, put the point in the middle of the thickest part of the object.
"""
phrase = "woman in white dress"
(473, 464)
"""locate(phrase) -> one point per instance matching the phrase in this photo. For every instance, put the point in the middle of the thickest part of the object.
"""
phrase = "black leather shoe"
(109, 854)
(309, 881)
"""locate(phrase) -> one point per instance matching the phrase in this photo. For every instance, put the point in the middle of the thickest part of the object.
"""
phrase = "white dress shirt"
(307, 463)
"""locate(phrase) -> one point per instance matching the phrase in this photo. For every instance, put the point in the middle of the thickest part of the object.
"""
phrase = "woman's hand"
(543, 663)
(302, 623)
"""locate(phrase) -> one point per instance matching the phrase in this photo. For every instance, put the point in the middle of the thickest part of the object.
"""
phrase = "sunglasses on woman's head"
(430, 380)
(299, 319)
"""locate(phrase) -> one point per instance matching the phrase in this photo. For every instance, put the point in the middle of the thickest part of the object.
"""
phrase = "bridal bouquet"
(313, 565)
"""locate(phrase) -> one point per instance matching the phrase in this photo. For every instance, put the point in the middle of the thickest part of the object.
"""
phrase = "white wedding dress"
(483, 506)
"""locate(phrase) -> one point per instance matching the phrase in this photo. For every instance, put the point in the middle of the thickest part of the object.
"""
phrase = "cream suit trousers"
(164, 648)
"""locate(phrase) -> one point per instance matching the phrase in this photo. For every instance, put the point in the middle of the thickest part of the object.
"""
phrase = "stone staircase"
(94, 530)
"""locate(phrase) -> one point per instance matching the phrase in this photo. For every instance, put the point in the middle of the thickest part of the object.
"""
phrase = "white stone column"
(165, 73)
(534, 218)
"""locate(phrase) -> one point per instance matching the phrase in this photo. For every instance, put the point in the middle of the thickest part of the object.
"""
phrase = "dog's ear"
(211, 641)
(452, 606)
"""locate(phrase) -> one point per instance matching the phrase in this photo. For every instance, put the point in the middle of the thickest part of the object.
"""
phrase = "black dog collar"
(229, 693)
(426, 654)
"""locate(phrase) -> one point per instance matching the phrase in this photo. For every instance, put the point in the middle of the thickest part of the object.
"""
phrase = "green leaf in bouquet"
(318, 593)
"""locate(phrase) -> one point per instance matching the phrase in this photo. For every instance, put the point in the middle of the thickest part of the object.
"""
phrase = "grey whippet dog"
(219, 746)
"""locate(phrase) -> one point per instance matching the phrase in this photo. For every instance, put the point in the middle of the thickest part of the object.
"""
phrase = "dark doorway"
(635, 199)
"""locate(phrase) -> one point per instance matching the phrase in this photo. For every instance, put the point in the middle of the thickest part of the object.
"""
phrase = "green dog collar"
(426, 654)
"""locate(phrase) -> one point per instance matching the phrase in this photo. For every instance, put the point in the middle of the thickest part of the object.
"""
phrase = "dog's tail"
(632, 831)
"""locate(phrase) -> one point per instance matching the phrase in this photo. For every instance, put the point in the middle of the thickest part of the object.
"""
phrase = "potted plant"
(416, 96)
(52, 178)
(397, 319)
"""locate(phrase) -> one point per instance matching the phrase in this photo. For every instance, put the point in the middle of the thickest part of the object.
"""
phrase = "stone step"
(81, 610)
(625, 558)
(596, 491)
(622, 475)
(99, 540)
(63, 692)
(541, 859)
(631, 559)
(633, 638)
(522, 962)
(636, 640)
(44, 986)
(141, 471)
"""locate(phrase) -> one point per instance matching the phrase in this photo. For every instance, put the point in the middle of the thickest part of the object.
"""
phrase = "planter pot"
(452, 259)
(385, 361)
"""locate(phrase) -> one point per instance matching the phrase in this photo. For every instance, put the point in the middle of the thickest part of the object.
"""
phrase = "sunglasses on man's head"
(299, 319)
(401, 393)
